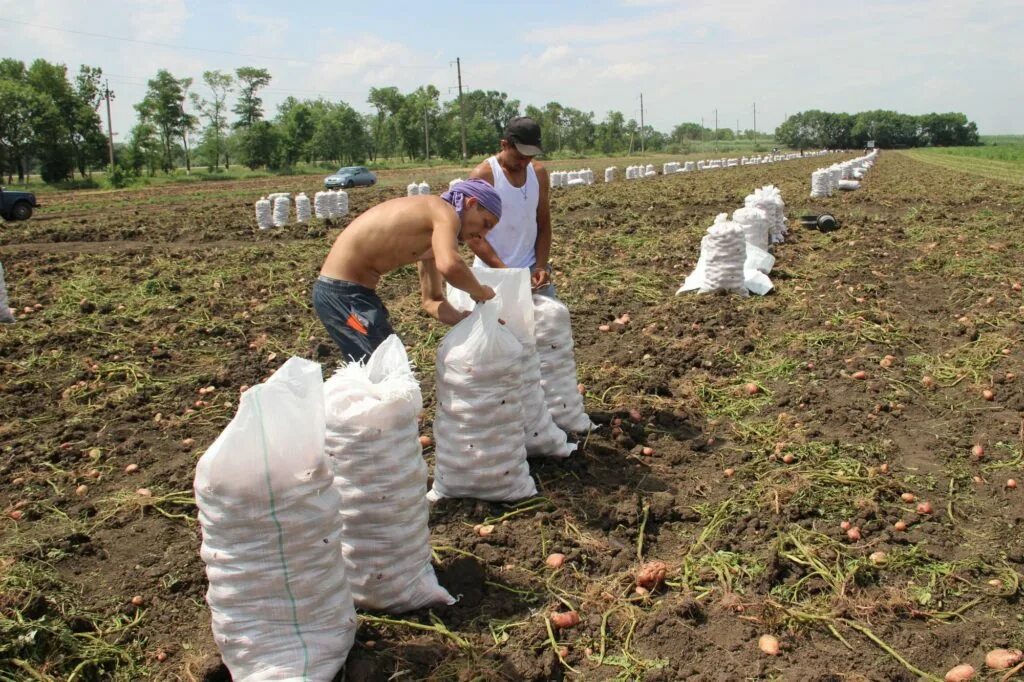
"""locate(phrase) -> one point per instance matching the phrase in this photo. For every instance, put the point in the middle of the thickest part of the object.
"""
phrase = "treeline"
(49, 122)
(887, 128)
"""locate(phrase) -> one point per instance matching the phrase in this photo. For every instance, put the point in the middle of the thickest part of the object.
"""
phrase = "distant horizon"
(687, 61)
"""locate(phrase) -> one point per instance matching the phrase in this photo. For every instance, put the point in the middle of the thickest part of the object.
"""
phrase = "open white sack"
(374, 450)
(515, 306)
(479, 442)
(558, 365)
(280, 602)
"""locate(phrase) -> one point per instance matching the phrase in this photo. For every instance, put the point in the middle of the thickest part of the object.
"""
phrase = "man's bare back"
(388, 236)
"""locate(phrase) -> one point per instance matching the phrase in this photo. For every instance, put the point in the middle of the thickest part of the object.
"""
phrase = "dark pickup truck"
(17, 205)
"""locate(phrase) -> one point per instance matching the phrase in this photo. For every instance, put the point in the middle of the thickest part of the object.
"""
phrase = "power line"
(208, 49)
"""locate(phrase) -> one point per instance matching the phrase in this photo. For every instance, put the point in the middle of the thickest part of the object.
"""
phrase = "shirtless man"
(425, 230)
(522, 239)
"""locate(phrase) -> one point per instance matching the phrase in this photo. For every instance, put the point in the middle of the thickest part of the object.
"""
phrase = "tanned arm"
(540, 276)
(432, 291)
(447, 264)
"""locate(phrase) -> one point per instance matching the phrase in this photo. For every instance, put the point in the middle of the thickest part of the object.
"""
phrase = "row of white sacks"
(734, 253)
(573, 178)
(844, 176)
(416, 188)
(313, 500)
(672, 167)
(274, 210)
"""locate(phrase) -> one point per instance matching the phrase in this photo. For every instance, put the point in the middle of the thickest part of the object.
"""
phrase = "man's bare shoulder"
(483, 172)
(539, 169)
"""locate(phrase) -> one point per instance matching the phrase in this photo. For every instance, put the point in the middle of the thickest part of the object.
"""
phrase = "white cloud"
(158, 20)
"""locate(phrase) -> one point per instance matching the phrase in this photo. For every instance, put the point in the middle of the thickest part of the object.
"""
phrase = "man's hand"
(448, 315)
(485, 294)
(540, 277)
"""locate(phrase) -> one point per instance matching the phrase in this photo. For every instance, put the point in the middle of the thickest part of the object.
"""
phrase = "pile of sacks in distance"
(844, 176)
(573, 178)
(274, 210)
(734, 254)
(672, 167)
(417, 188)
(313, 501)
(637, 172)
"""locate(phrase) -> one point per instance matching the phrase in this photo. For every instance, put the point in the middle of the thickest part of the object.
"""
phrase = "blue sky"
(688, 57)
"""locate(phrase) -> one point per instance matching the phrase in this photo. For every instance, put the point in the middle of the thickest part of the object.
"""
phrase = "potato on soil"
(651, 574)
(769, 644)
(565, 619)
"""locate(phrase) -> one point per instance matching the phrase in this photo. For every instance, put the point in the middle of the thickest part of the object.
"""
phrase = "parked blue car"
(17, 205)
(350, 176)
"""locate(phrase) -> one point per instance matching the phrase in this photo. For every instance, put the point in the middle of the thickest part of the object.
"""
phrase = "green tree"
(21, 107)
(419, 108)
(296, 125)
(690, 131)
(54, 143)
(144, 150)
(214, 110)
(88, 139)
(388, 102)
(339, 134)
(611, 133)
(249, 106)
(163, 108)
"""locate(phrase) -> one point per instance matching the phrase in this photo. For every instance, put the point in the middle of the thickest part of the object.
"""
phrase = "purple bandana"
(481, 190)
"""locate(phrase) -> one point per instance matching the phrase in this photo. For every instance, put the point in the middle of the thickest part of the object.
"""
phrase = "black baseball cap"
(524, 133)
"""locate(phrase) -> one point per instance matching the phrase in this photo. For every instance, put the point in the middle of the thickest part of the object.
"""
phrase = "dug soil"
(773, 425)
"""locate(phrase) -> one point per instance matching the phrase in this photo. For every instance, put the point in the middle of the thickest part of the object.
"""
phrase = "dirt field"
(147, 296)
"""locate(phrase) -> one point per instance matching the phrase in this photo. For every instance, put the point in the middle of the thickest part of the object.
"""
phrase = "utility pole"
(716, 130)
(426, 134)
(462, 107)
(641, 123)
(110, 128)
(702, 132)
(755, 125)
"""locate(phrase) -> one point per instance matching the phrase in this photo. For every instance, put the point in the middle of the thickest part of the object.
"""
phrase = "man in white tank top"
(522, 239)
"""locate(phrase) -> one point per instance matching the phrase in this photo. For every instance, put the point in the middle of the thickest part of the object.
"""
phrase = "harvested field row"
(890, 349)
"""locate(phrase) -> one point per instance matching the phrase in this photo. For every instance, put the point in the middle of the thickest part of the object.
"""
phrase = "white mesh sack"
(558, 365)
(424, 188)
(609, 174)
(277, 593)
(5, 309)
(515, 308)
(321, 205)
(333, 205)
(720, 266)
(479, 442)
(754, 222)
(282, 209)
(302, 209)
(379, 471)
(342, 203)
(769, 200)
(412, 189)
(452, 183)
(820, 186)
(263, 218)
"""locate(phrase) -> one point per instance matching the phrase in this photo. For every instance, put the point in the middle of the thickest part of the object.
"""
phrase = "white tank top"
(514, 238)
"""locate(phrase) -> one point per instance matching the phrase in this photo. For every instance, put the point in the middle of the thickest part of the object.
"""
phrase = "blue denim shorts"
(354, 316)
